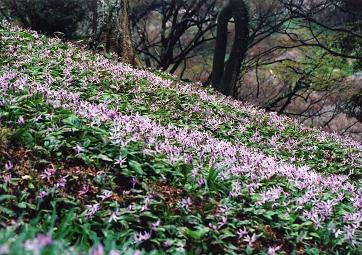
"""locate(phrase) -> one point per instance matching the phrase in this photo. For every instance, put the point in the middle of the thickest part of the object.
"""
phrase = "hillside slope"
(95, 155)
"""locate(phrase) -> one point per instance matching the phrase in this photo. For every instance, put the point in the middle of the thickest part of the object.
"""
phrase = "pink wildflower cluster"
(37, 244)
(141, 237)
(8, 176)
(119, 72)
(195, 147)
(176, 143)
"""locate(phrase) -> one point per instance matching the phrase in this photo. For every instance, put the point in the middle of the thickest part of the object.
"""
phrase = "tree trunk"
(124, 42)
(103, 24)
(225, 75)
(111, 28)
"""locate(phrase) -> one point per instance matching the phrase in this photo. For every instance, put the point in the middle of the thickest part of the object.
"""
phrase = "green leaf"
(24, 136)
(104, 157)
(22, 205)
(7, 197)
(6, 211)
(72, 121)
(135, 166)
(249, 250)
(315, 235)
(197, 234)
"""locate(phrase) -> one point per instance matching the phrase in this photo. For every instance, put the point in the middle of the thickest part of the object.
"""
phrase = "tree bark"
(124, 41)
(111, 28)
(100, 23)
(225, 75)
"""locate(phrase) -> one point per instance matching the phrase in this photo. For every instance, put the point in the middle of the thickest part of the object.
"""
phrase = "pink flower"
(47, 174)
(115, 252)
(236, 189)
(21, 121)
(62, 182)
(338, 233)
(256, 138)
(167, 243)
(141, 237)
(274, 140)
(8, 166)
(106, 194)
(222, 222)
(189, 159)
(201, 181)
(7, 179)
(146, 203)
(270, 195)
(273, 250)
(97, 250)
(78, 148)
(84, 190)
(92, 209)
(350, 231)
(213, 227)
(43, 194)
(156, 225)
(115, 216)
(241, 233)
(134, 181)
(250, 239)
(120, 161)
(4, 249)
(186, 203)
(37, 244)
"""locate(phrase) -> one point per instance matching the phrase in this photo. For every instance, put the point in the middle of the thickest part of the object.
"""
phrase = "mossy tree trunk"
(225, 75)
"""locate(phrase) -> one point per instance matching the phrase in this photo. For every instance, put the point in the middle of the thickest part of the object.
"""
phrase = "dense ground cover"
(99, 157)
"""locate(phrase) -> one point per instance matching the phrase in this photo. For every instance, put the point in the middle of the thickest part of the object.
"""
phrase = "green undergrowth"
(48, 139)
(57, 167)
(169, 106)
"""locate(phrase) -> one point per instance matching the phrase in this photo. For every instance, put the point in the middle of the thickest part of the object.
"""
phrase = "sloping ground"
(98, 157)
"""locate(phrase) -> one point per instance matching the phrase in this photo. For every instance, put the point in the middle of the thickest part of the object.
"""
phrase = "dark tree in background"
(352, 18)
(170, 33)
(102, 24)
(49, 16)
(225, 75)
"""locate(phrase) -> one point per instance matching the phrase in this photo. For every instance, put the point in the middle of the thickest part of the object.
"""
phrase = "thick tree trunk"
(225, 75)
(124, 41)
(102, 23)
(110, 28)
